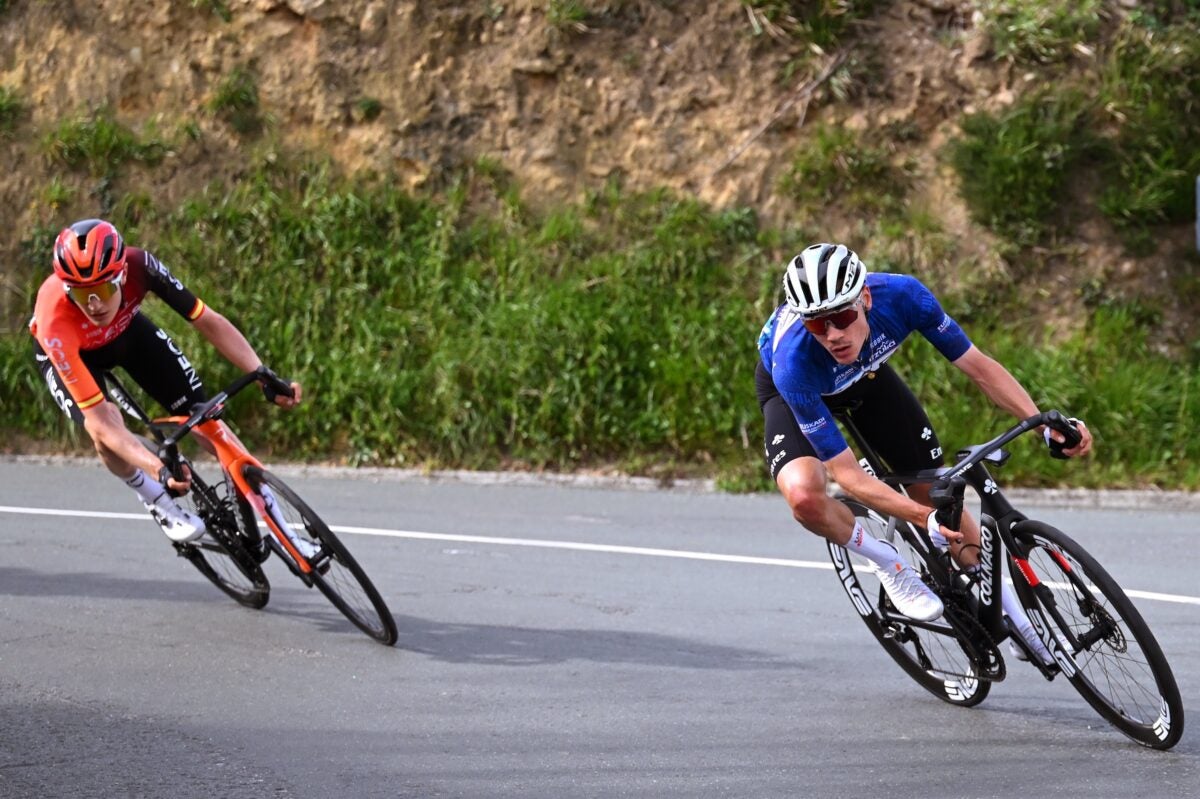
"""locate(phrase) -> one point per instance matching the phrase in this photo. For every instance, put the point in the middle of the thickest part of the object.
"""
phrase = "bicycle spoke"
(333, 570)
(1117, 665)
(930, 652)
(219, 555)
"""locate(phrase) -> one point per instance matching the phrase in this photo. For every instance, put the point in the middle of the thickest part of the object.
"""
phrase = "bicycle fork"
(1064, 660)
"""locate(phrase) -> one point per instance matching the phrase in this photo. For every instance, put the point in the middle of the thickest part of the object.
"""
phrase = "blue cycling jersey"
(804, 371)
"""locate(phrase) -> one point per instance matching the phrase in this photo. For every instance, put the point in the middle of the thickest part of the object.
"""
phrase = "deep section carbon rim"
(932, 654)
(335, 571)
(1115, 662)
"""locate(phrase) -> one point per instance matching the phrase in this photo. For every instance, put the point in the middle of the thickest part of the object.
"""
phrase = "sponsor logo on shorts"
(777, 439)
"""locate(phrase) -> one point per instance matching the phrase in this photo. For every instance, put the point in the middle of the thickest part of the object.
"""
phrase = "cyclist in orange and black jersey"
(87, 320)
(72, 342)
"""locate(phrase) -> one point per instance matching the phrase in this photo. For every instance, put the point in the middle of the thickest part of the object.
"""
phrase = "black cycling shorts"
(147, 355)
(880, 404)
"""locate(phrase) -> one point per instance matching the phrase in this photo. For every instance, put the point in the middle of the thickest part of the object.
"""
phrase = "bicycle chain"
(989, 661)
(956, 601)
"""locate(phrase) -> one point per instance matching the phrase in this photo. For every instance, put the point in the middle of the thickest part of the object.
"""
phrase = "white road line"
(550, 544)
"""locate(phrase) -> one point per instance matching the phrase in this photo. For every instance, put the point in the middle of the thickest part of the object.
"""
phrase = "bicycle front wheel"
(221, 554)
(1104, 646)
(932, 653)
(334, 570)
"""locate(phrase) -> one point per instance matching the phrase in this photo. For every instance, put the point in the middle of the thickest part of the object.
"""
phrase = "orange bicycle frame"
(234, 458)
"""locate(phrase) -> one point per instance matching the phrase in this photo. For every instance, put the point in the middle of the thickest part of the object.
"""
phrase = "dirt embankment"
(657, 93)
(679, 94)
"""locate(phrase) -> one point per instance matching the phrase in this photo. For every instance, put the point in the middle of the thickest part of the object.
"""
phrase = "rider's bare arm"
(998, 384)
(118, 447)
(230, 342)
(844, 468)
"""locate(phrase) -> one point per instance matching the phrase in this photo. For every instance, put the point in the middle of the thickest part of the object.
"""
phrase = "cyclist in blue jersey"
(826, 350)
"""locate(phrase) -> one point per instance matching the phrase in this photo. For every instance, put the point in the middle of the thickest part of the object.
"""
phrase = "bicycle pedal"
(323, 569)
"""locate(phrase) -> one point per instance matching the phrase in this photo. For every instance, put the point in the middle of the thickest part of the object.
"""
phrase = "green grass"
(235, 101)
(1129, 121)
(1150, 94)
(1041, 31)
(430, 334)
(823, 23)
(11, 110)
(567, 15)
(367, 109)
(98, 144)
(57, 194)
(1013, 166)
(469, 330)
(840, 168)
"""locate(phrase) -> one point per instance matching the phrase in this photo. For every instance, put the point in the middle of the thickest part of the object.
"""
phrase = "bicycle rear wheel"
(334, 570)
(221, 554)
(1105, 648)
(932, 653)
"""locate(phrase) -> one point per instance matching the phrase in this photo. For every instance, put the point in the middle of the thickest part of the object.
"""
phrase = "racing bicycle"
(232, 550)
(1099, 641)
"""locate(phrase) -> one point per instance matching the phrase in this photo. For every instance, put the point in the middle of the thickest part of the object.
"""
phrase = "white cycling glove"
(935, 530)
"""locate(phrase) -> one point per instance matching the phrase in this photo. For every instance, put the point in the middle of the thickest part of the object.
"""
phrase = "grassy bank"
(468, 330)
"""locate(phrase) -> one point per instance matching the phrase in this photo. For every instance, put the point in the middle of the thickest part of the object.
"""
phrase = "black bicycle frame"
(997, 520)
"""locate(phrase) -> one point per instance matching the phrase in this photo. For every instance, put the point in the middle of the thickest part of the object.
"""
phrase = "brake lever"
(1071, 435)
(946, 496)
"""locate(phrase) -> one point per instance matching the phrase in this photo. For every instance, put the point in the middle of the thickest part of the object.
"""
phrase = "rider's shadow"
(500, 645)
(16, 581)
(508, 645)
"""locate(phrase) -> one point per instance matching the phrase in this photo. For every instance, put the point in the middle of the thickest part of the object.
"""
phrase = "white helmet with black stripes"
(822, 278)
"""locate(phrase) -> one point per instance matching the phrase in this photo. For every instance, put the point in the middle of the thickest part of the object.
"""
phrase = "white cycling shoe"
(180, 525)
(908, 591)
(308, 549)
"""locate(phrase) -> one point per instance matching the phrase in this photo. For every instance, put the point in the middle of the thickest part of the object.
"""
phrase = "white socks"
(880, 552)
(1021, 623)
(145, 487)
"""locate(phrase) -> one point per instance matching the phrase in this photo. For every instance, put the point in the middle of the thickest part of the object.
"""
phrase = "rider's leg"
(802, 482)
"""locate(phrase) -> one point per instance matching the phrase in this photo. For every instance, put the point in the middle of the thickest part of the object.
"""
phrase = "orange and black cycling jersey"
(63, 331)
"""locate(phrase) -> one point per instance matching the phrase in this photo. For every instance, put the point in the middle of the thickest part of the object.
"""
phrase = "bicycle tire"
(221, 554)
(934, 655)
(1136, 694)
(335, 572)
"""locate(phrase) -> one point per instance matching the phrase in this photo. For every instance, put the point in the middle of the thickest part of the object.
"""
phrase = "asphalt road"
(569, 660)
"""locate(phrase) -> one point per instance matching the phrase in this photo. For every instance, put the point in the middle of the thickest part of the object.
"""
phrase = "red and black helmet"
(89, 251)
